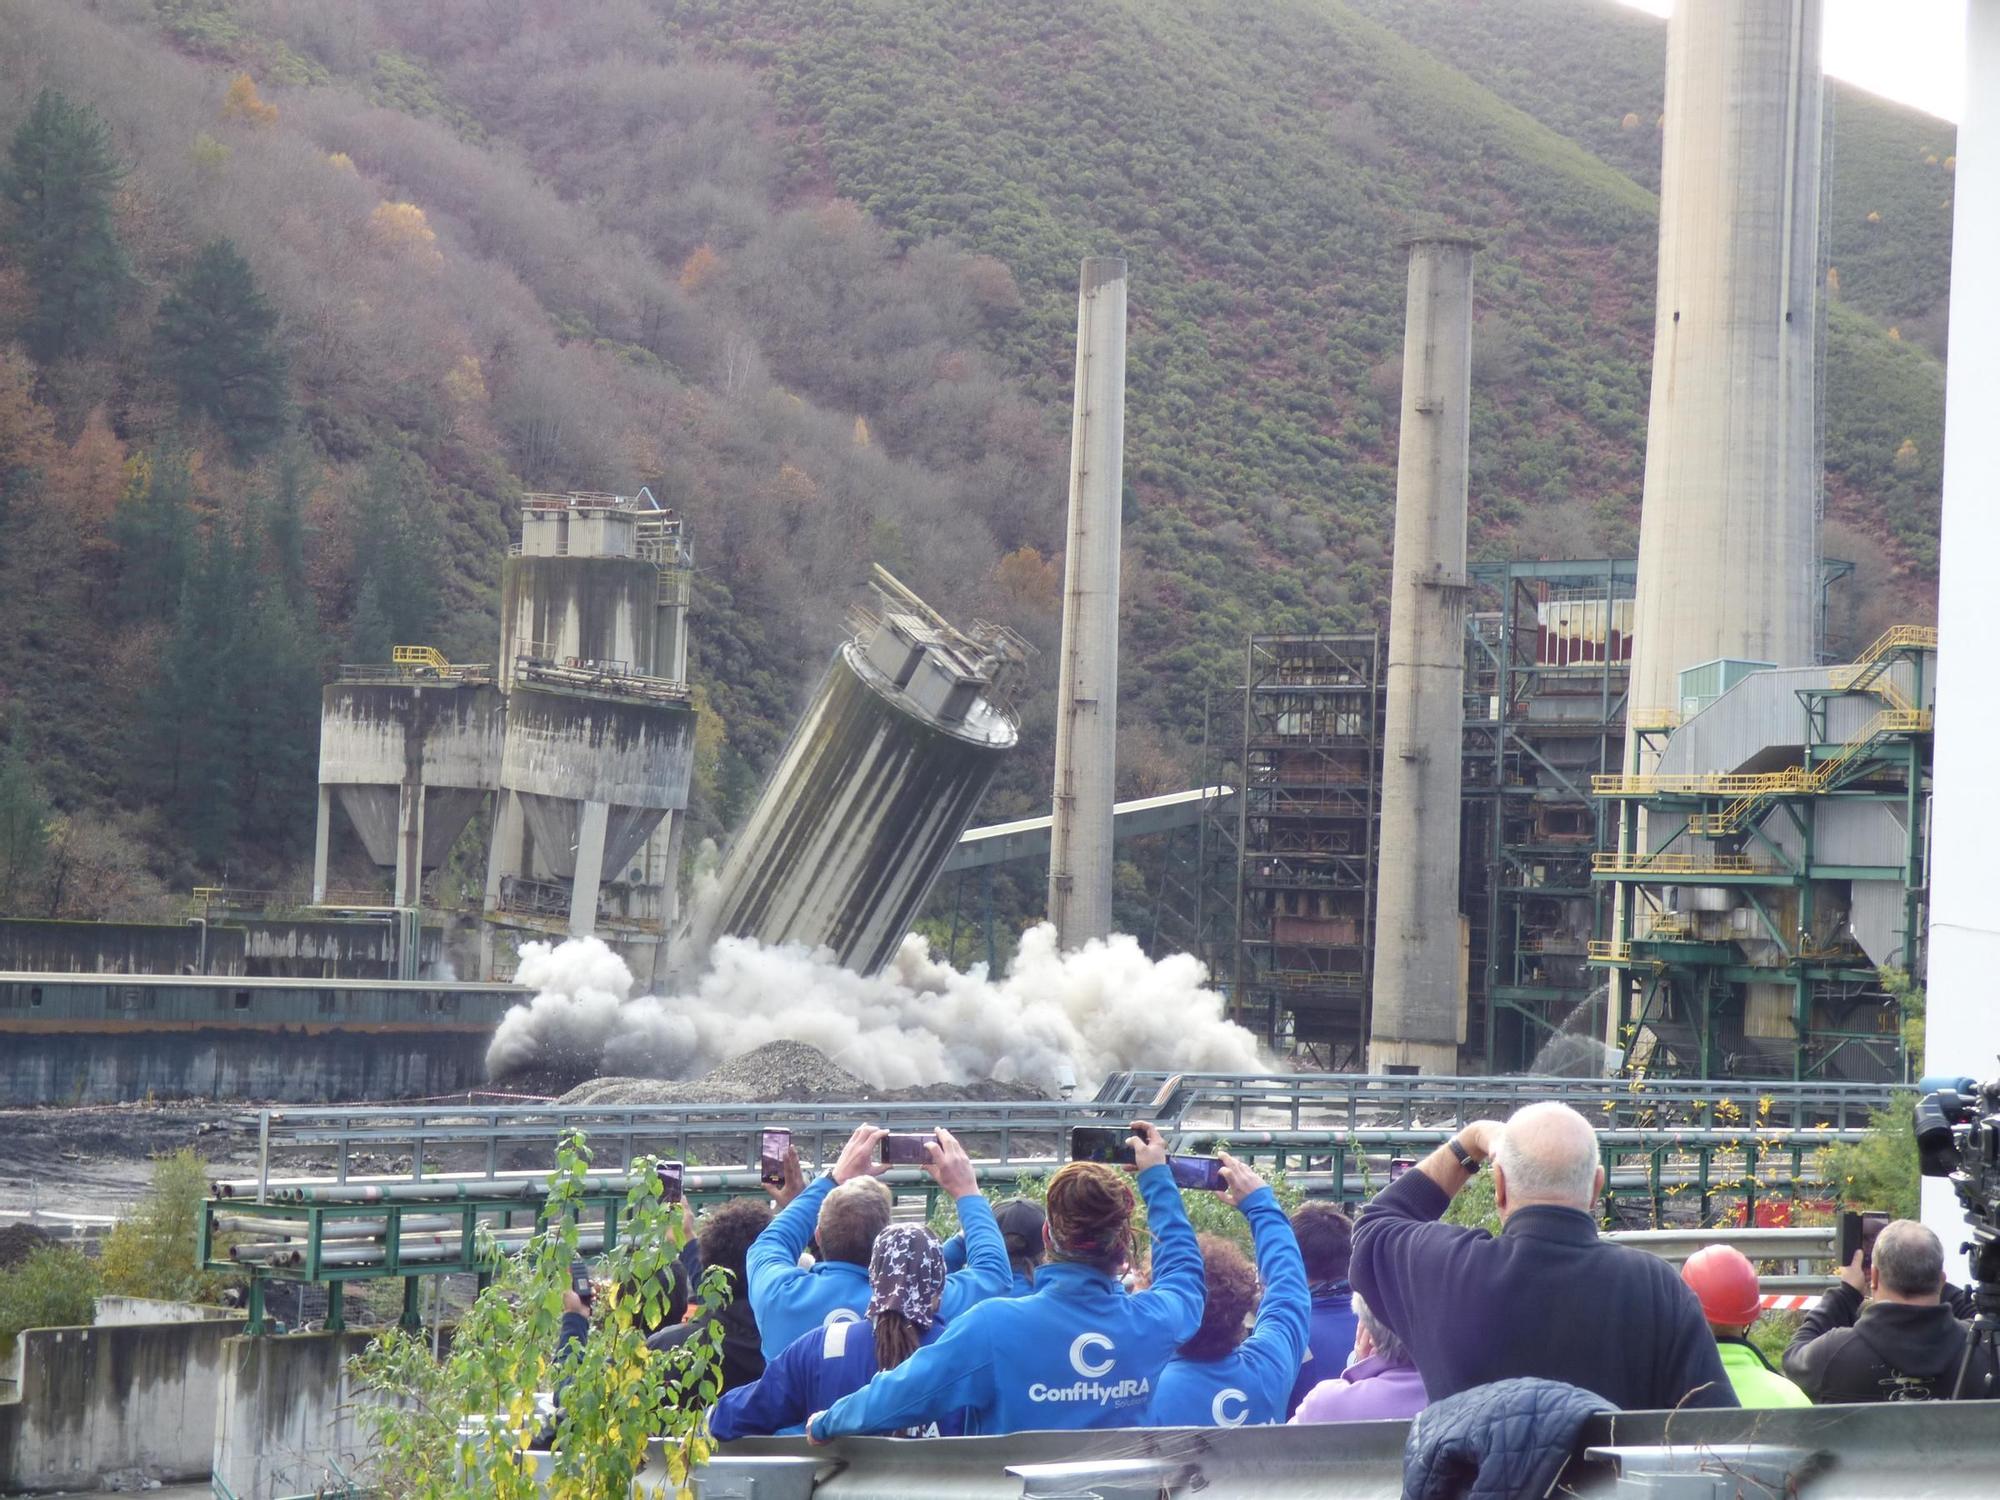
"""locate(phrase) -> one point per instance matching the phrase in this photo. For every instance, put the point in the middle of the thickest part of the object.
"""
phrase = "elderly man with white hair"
(1545, 1297)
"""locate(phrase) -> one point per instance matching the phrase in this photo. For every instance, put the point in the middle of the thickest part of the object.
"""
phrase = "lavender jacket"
(1373, 1390)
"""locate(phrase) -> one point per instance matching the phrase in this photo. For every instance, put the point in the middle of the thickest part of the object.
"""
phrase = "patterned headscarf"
(906, 1274)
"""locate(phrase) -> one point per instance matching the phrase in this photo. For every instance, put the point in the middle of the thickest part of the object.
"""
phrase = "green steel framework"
(1845, 1023)
(1530, 820)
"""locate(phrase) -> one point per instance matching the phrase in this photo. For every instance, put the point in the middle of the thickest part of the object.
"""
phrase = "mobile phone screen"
(1101, 1143)
(771, 1155)
(1398, 1166)
(905, 1150)
(1202, 1173)
(670, 1182)
(1872, 1224)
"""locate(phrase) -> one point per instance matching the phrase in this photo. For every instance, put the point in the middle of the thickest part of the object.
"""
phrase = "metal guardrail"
(1910, 1451)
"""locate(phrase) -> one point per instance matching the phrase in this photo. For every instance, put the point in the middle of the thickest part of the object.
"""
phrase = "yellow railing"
(1610, 952)
(420, 656)
(1613, 862)
(1697, 786)
(1668, 925)
(1652, 720)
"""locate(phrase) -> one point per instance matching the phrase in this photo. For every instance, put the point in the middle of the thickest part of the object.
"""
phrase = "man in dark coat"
(1905, 1345)
(1546, 1297)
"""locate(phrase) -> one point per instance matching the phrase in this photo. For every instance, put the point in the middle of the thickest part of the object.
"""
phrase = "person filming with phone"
(845, 1209)
(1905, 1344)
(1081, 1352)
(1228, 1375)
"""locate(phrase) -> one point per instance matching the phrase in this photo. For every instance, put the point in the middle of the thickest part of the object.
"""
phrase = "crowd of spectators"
(842, 1322)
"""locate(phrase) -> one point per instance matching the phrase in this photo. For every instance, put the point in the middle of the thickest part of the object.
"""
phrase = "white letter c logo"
(1222, 1418)
(1085, 1366)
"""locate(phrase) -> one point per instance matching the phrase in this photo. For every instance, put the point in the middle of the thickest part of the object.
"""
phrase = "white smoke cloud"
(920, 1021)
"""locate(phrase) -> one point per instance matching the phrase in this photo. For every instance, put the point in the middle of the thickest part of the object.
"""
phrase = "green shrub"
(153, 1253)
(55, 1287)
(1880, 1170)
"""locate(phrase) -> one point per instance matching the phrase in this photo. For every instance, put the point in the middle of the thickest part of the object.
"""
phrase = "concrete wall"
(94, 1404)
(125, 1312)
(44, 947)
(285, 1420)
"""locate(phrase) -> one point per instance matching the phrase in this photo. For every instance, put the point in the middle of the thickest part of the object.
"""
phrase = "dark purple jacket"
(1545, 1298)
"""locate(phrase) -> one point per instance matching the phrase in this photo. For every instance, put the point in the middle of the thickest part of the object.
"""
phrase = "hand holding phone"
(1201, 1174)
(771, 1157)
(907, 1150)
(671, 1176)
(1101, 1143)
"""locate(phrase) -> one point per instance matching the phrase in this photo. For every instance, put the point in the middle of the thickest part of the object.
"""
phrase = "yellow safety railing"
(1668, 924)
(1652, 720)
(1610, 952)
(1614, 862)
(1718, 784)
(420, 656)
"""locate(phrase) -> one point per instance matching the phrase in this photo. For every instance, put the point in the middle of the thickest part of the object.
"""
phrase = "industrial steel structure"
(1306, 828)
(1782, 867)
(1548, 651)
(1080, 859)
(872, 791)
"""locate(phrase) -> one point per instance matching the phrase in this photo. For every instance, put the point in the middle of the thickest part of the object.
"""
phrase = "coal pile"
(791, 1072)
(18, 1242)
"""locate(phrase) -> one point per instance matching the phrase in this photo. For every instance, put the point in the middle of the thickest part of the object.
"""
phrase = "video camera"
(1958, 1138)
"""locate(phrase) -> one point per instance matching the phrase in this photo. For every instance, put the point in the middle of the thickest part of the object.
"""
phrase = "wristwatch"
(1466, 1160)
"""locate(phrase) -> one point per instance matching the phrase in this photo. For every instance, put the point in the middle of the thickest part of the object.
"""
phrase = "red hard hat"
(1726, 1283)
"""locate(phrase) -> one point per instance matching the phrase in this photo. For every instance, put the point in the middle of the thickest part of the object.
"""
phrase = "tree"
(397, 566)
(216, 341)
(24, 828)
(152, 1253)
(60, 177)
(617, 1393)
(154, 534)
(55, 1287)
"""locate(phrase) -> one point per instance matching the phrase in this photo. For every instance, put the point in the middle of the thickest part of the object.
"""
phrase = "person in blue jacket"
(1081, 1352)
(1326, 1239)
(847, 1208)
(906, 1276)
(1021, 1222)
(1220, 1378)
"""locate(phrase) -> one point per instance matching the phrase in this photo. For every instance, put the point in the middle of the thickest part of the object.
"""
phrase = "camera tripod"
(1977, 1377)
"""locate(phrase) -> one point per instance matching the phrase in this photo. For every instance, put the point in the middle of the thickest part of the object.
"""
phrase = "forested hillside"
(298, 297)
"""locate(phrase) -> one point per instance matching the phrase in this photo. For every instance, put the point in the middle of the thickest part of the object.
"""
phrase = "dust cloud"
(920, 1021)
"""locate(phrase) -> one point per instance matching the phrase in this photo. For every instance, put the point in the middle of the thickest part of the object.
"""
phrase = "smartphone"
(771, 1156)
(1398, 1165)
(670, 1182)
(579, 1282)
(1857, 1232)
(906, 1150)
(1201, 1173)
(1103, 1143)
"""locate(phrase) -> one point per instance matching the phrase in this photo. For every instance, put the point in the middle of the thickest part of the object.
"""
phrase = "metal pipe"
(330, 1229)
(1080, 860)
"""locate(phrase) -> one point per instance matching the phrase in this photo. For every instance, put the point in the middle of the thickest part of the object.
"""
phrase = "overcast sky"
(1912, 51)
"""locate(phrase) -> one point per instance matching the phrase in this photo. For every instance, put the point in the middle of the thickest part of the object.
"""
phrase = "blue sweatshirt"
(814, 1372)
(790, 1303)
(1251, 1384)
(1081, 1352)
(954, 1259)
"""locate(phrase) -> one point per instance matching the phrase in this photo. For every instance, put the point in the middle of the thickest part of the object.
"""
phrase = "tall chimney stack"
(1418, 1015)
(1728, 534)
(1087, 693)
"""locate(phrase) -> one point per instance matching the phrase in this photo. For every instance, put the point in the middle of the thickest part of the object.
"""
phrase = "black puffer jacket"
(1505, 1441)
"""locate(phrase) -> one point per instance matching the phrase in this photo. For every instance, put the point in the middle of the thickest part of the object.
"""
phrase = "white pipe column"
(1417, 1018)
(1087, 693)
(322, 842)
(1962, 1032)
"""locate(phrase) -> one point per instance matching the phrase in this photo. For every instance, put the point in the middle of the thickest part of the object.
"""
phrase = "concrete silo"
(408, 750)
(880, 777)
(599, 747)
(1418, 1008)
(1728, 534)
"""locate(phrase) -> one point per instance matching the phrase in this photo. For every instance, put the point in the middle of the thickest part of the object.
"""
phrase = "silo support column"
(590, 835)
(410, 844)
(322, 839)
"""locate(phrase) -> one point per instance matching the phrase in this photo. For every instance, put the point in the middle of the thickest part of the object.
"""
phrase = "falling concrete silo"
(1728, 534)
(878, 780)
(1418, 1013)
(408, 751)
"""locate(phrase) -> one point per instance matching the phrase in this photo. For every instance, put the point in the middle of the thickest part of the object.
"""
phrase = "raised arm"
(1180, 1289)
(987, 1272)
(1400, 1218)
(773, 1262)
(1284, 1316)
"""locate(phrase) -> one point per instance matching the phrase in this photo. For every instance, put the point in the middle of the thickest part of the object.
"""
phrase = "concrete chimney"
(1087, 691)
(1728, 535)
(1418, 1016)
